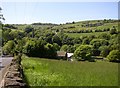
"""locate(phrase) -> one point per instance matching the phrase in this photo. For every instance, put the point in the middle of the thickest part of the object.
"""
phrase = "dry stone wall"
(14, 75)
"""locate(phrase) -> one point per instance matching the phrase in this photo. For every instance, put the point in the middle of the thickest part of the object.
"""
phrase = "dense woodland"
(95, 38)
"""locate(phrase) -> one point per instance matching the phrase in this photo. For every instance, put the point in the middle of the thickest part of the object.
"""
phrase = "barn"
(62, 55)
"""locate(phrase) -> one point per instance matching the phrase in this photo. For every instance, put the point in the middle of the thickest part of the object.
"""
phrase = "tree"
(67, 40)
(114, 55)
(48, 37)
(29, 48)
(9, 47)
(70, 49)
(13, 35)
(64, 48)
(99, 42)
(76, 46)
(104, 51)
(83, 52)
(35, 48)
(113, 30)
(50, 51)
(115, 47)
(19, 46)
(56, 46)
(5, 35)
(39, 48)
(28, 29)
(104, 36)
(77, 41)
(56, 39)
(86, 41)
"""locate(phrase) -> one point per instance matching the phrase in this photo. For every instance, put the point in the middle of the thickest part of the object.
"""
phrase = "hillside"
(94, 46)
(87, 25)
(79, 28)
(99, 35)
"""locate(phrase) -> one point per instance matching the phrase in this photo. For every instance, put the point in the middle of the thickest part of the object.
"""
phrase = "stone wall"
(14, 74)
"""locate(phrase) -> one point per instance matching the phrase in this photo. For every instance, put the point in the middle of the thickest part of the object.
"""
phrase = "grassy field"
(77, 26)
(45, 72)
(84, 34)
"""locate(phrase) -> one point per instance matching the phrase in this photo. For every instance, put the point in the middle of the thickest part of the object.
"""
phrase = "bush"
(104, 51)
(104, 36)
(64, 48)
(114, 56)
(83, 52)
(28, 29)
(50, 51)
(99, 42)
(113, 31)
(56, 39)
(9, 47)
(35, 48)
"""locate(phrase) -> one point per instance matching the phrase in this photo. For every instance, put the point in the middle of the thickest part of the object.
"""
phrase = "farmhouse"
(69, 55)
(62, 55)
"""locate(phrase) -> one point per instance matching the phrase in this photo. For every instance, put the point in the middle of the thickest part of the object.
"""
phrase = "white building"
(69, 55)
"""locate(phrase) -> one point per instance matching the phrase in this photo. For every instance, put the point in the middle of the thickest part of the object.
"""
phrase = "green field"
(84, 34)
(77, 26)
(45, 72)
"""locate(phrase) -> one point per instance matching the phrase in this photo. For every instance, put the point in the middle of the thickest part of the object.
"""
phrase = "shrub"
(64, 48)
(114, 56)
(28, 29)
(99, 42)
(113, 30)
(9, 47)
(104, 36)
(104, 51)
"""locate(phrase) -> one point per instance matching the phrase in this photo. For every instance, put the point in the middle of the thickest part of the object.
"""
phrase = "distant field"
(45, 72)
(84, 34)
(77, 26)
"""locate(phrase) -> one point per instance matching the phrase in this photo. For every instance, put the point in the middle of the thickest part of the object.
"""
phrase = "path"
(4, 62)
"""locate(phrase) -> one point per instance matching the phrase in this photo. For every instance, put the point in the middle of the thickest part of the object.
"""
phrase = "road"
(4, 62)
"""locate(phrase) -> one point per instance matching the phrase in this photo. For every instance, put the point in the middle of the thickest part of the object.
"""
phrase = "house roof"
(69, 54)
(61, 53)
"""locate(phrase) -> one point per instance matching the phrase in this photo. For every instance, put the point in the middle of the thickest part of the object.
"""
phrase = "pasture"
(84, 34)
(46, 72)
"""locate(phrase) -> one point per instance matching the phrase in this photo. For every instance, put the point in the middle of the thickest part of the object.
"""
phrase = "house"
(69, 55)
(62, 55)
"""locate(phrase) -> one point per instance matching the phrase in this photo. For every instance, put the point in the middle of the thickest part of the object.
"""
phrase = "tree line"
(45, 43)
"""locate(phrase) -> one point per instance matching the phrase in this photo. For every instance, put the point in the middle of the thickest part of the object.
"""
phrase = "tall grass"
(45, 72)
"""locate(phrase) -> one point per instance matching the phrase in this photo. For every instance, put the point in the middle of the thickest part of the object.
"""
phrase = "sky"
(57, 12)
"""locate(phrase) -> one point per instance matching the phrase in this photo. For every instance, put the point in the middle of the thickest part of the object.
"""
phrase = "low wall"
(14, 76)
